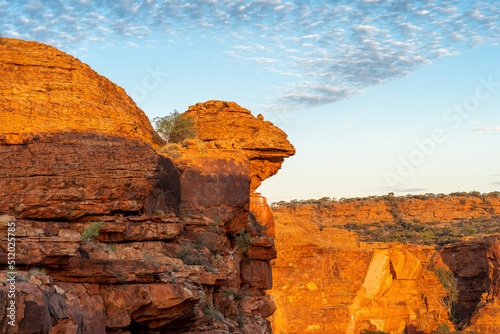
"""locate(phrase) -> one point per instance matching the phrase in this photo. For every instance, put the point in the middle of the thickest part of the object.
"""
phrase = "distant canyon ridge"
(328, 281)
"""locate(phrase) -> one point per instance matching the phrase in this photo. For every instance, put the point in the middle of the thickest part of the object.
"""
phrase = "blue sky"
(376, 95)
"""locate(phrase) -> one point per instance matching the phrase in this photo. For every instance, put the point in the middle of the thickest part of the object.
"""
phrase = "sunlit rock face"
(44, 90)
(326, 281)
(220, 122)
(112, 236)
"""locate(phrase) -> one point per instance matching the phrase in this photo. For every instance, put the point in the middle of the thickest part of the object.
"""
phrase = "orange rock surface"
(44, 90)
(219, 122)
(326, 281)
(440, 209)
(177, 250)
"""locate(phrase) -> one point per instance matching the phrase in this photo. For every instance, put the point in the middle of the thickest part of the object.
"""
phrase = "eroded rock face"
(175, 247)
(476, 266)
(44, 90)
(351, 286)
(219, 122)
(328, 282)
(70, 175)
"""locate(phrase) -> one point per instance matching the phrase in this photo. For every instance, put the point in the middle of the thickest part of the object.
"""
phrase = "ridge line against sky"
(323, 51)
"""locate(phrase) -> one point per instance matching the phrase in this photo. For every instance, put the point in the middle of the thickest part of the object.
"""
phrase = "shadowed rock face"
(177, 248)
(476, 266)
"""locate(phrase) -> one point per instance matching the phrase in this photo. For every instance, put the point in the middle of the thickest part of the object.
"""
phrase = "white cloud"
(337, 50)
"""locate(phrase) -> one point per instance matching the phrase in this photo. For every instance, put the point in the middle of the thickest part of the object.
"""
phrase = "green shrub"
(227, 293)
(174, 128)
(171, 149)
(189, 257)
(445, 329)
(447, 280)
(243, 240)
(367, 331)
(92, 231)
(212, 312)
(38, 271)
(111, 247)
(237, 295)
(158, 212)
(241, 320)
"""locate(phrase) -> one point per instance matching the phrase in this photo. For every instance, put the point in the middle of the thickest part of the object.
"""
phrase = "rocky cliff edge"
(113, 237)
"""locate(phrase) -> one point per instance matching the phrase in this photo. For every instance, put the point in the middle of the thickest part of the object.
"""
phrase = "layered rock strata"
(112, 237)
(326, 281)
(329, 282)
(367, 211)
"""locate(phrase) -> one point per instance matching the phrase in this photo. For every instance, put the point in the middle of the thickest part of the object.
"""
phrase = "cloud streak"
(326, 52)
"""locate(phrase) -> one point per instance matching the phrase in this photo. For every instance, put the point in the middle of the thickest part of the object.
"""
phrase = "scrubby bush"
(189, 257)
(447, 280)
(243, 240)
(38, 271)
(92, 231)
(174, 128)
(212, 312)
(171, 149)
(367, 331)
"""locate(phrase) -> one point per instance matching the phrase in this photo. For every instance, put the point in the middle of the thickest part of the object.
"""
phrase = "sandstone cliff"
(327, 281)
(181, 244)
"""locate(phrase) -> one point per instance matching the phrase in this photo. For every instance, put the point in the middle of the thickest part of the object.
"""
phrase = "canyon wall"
(112, 236)
(365, 211)
(327, 281)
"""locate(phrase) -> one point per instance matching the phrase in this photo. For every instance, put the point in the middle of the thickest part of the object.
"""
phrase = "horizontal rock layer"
(70, 175)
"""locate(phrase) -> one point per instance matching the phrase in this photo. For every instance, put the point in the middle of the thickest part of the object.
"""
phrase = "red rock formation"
(70, 175)
(325, 281)
(476, 266)
(266, 146)
(44, 90)
(439, 209)
(328, 282)
(177, 249)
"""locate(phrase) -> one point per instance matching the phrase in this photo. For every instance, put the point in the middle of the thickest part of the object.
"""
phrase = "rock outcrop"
(265, 145)
(327, 281)
(44, 90)
(112, 236)
(476, 266)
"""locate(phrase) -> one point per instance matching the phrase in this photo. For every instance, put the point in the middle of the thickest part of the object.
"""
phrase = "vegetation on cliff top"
(174, 128)
(410, 230)
(325, 201)
(415, 232)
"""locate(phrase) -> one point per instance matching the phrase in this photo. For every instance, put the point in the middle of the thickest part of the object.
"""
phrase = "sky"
(377, 96)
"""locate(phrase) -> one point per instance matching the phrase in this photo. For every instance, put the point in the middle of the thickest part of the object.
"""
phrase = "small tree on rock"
(174, 128)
